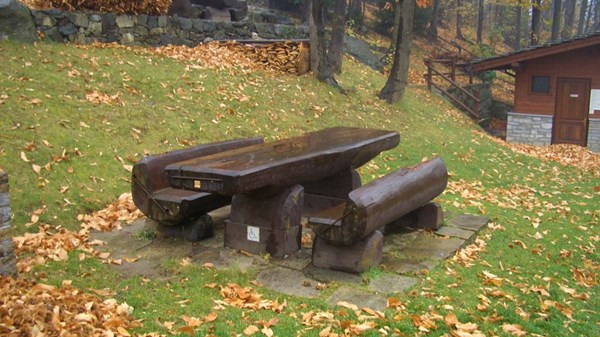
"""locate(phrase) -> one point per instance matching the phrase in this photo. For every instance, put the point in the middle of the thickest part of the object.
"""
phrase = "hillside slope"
(75, 118)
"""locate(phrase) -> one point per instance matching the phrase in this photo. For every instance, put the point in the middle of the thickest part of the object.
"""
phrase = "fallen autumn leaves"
(30, 309)
(54, 243)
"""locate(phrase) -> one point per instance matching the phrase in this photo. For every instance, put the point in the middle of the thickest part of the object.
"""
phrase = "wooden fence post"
(453, 72)
(476, 103)
(429, 75)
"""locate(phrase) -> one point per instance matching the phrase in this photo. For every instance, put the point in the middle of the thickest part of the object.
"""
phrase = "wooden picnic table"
(273, 166)
(266, 181)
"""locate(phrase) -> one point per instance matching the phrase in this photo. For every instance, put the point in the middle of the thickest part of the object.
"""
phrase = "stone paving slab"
(287, 281)
(469, 222)
(223, 258)
(455, 232)
(409, 265)
(147, 255)
(360, 298)
(327, 275)
(389, 284)
(298, 261)
(432, 247)
(406, 252)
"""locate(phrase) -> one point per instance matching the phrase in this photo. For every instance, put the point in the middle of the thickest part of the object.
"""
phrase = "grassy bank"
(75, 118)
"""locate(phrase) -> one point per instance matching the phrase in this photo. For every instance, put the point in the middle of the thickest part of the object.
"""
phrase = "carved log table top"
(271, 167)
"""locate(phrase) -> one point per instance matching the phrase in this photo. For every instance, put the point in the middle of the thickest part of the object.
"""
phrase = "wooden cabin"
(557, 92)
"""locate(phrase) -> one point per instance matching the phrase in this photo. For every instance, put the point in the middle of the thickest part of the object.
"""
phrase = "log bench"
(177, 210)
(349, 236)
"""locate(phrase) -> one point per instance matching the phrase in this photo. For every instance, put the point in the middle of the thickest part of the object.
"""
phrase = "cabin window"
(540, 84)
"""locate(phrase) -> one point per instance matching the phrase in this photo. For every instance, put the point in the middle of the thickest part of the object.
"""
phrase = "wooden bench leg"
(266, 224)
(193, 230)
(429, 216)
(357, 258)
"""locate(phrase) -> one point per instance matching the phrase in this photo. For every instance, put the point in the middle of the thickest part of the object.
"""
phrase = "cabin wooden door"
(572, 108)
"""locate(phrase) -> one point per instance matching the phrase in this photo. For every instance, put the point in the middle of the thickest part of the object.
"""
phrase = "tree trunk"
(434, 19)
(589, 15)
(535, 21)
(458, 20)
(324, 69)
(336, 48)
(480, 22)
(314, 41)
(556, 11)
(356, 6)
(596, 26)
(582, 11)
(396, 82)
(569, 18)
(517, 42)
(397, 27)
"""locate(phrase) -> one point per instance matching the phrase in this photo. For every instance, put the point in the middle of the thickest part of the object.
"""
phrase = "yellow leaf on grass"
(451, 319)
(37, 169)
(468, 327)
(325, 332)
(267, 331)
(514, 329)
(251, 330)
(168, 325)
(123, 332)
(210, 317)
(24, 157)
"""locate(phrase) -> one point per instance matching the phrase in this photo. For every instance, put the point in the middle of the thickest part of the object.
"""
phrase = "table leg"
(270, 224)
(329, 192)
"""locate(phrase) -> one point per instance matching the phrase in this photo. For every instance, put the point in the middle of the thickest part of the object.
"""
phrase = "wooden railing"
(454, 47)
(450, 78)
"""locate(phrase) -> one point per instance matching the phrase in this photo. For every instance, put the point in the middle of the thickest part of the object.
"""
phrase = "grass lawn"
(74, 119)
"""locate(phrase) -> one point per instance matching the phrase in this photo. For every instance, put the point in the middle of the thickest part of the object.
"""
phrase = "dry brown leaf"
(70, 310)
(267, 332)
(347, 305)
(37, 169)
(514, 329)
(468, 327)
(212, 316)
(191, 321)
(123, 332)
(251, 330)
(451, 319)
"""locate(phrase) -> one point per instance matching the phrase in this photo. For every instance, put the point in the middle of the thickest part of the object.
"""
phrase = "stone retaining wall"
(529, 129)
(593, 142)
(143, 29)
(7, 255)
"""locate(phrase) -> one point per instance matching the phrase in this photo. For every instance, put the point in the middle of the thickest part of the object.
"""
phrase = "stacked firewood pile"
(289, 57)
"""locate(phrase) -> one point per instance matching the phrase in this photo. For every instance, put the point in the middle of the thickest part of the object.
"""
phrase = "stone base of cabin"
(536, 130)
(529, 129)
(593, 142)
